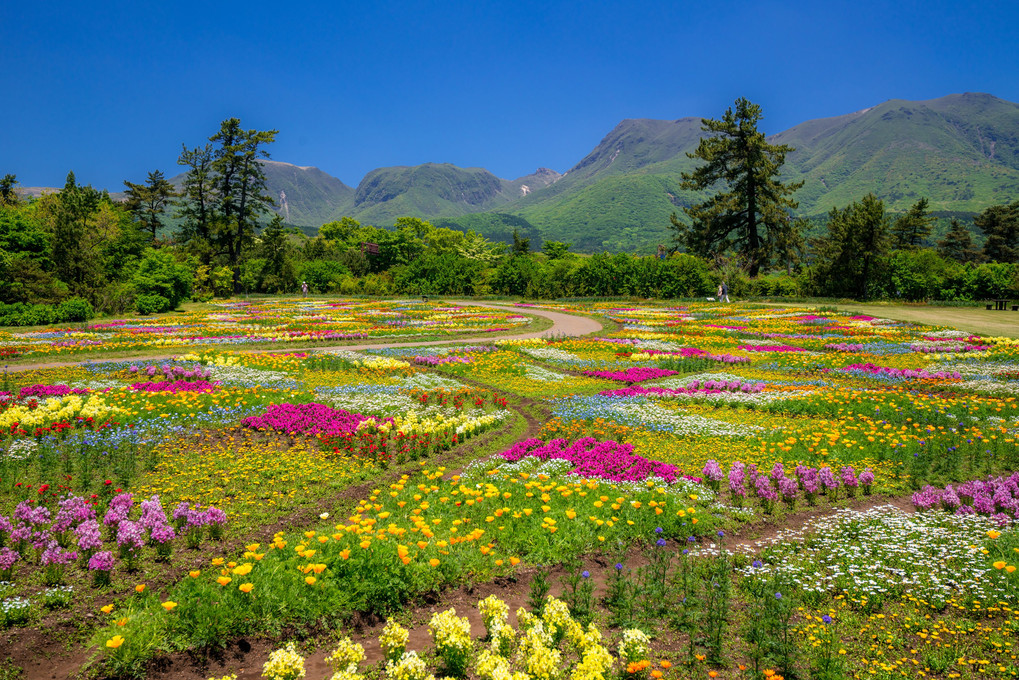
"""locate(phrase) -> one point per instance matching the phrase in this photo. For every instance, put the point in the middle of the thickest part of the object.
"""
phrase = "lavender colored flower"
(152, 513)
(88, 535)
(55, 555)
(162, 533)
(130, 537)
(7, 558)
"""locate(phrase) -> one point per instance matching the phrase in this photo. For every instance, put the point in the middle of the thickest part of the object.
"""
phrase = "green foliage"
(752, 203)
(151, 303)
(147, 202)
(850, 261)
(994, 280)
(445, 274)
(555, 250)
(958, 244)
(75, 309)
(1000, 223)
(323, 276)
(914, 228)
(160, 274)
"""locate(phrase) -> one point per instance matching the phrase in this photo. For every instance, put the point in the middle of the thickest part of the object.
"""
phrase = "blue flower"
(619, 566)
(585, 574)
(658, 530)
(778, 596)
(660, 543)
(721, 533)
(691, 540)
(757, 564)
(826, 619)
(685, 551)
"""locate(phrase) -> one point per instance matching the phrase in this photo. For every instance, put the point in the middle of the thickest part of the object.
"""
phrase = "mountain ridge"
(960, 151)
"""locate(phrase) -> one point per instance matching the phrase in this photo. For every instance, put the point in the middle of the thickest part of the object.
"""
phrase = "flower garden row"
(686, 421)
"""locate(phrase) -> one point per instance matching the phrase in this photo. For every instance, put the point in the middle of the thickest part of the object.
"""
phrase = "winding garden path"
(563, 324)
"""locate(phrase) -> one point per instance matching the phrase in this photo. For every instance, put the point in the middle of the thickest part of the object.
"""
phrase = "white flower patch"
(651, 414)
(550, 354)
(428, 382)
(539, 374)
(884, 552)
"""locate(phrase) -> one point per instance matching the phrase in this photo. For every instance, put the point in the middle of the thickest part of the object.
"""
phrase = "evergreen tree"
(914, 228)
(1000, 223)
(278, 274)
(8, 196)
(788, 243)
(197, 206)
(752, 204)
(849, 260)
(958, 244)
(76, 259)
(521, 245)
(148, 201)
(240, 188)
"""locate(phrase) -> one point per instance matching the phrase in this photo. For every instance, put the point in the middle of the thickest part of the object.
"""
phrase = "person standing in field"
(723, 292)
(304, 288)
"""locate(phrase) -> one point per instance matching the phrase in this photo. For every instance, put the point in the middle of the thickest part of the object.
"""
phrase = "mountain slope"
(959, 151)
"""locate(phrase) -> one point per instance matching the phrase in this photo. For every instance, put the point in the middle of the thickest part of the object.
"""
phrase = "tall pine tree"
(958, 244)
(1000, 223)
(912, 230)
(751, 206)
(148, 201)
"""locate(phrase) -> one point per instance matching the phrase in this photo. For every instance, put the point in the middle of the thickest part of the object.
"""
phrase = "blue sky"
(112, 90)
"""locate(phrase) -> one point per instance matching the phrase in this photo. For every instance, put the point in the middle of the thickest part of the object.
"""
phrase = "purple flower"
(7, 558)
(130, 537)
(660, 542)
(101, 561)
(162, 533)
(88, 536)
(55, 555)
(826, 619)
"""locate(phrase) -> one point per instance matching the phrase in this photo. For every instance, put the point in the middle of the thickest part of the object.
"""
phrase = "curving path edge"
(563, 324)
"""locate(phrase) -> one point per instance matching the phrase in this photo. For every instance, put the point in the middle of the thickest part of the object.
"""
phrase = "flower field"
(704, 491)
(260, 323)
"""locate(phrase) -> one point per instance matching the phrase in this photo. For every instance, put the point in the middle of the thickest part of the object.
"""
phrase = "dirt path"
(562, 325)
(246, 656)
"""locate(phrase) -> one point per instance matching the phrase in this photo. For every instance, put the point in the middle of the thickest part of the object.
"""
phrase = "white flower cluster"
(883, 552)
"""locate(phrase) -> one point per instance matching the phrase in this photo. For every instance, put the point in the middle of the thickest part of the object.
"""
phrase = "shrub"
(75, 309)
(152, 304)
(160, 275)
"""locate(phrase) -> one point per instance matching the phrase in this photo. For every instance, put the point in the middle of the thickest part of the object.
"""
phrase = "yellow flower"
(140, 588)
(246, 587)
(434, 562)
(169, 605)
(999, 565)
(194, 574)
(107, 609)
(115, 642)
(310, 580)
(243, 570)
(223, 580)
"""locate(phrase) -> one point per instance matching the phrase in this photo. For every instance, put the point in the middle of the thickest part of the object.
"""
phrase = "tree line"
(218, 236)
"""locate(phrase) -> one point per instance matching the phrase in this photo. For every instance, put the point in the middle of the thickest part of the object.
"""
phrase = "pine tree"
(958, 244)
(8, 195)
(752, 205)
(912, 230)
(850, 258)
(1000, 223)
(148, 201)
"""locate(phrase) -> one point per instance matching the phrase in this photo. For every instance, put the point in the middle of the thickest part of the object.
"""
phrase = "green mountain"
(959, 151)
(437, 190)
(304, 195)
